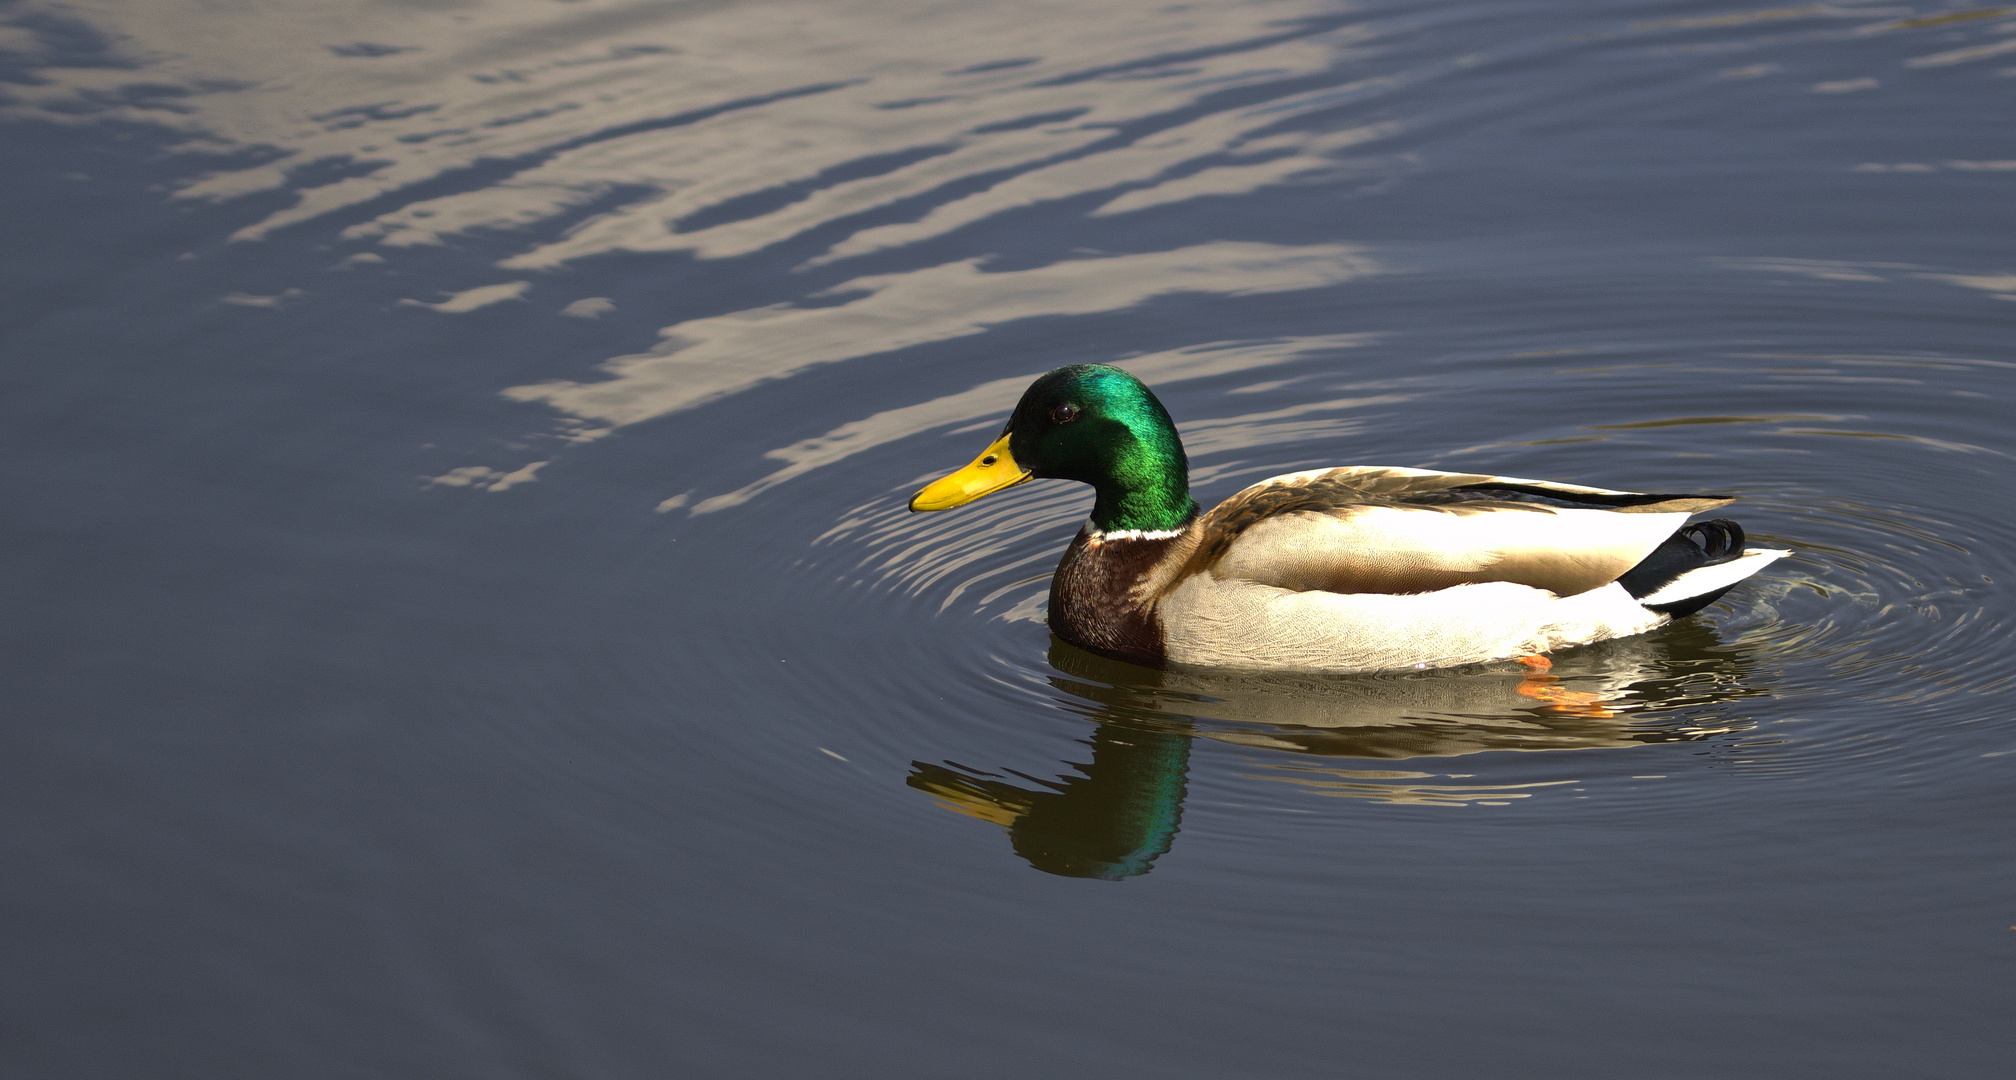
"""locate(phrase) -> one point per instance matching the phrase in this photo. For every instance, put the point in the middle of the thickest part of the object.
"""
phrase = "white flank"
(1239, 624)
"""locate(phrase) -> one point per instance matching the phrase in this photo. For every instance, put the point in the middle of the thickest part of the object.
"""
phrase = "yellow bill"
(993, 470)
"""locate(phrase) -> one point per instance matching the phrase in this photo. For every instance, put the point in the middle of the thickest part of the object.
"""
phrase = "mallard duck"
(1361, 568)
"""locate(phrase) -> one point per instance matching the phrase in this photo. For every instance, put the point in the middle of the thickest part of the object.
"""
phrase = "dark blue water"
(462, 621)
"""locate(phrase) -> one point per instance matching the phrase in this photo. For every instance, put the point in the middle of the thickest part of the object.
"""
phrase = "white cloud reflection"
(679, 109)
(470, 299)
(719, 128)
(484, 478)
(704, 359)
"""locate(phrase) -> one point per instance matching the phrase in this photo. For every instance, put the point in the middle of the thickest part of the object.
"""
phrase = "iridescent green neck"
(1163, 508)
(1147, 487)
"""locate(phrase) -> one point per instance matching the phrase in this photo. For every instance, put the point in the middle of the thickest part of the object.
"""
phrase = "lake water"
(462, 620)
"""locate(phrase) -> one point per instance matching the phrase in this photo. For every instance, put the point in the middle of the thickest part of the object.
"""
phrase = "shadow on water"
(1124, 808)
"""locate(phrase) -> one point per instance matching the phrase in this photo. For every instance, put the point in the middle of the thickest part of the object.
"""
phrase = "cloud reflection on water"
(689, 107)
(701, 360)
(719, 129)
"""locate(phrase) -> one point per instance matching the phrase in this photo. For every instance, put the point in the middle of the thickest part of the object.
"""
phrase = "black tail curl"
(1720, 539)
(1702, 543)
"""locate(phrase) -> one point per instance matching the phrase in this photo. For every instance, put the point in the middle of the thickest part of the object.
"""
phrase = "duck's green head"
(1094, 424)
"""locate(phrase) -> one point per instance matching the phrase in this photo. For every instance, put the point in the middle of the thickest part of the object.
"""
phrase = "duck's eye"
(1064, 414)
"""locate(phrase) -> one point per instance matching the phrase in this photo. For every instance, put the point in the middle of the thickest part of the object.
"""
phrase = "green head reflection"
(1109, 822)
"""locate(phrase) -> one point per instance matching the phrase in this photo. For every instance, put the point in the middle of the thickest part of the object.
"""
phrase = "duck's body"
(1367, 569)
(1352, 569)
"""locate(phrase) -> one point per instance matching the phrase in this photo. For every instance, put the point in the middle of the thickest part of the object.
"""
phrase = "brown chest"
(1097, 601)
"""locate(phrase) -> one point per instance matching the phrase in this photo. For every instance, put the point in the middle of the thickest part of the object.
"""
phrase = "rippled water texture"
(463, 621)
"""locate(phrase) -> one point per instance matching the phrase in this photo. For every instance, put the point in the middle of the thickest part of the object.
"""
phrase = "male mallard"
(1354, 569)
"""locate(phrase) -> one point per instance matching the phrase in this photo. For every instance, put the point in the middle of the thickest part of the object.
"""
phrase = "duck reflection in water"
(1123, 809)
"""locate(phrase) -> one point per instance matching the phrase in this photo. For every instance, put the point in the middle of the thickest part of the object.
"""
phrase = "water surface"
(463, 618)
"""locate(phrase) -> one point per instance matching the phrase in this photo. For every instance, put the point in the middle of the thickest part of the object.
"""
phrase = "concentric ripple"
(1883, 602)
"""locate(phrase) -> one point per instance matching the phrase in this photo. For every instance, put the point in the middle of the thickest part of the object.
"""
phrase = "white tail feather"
(1707, 579)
